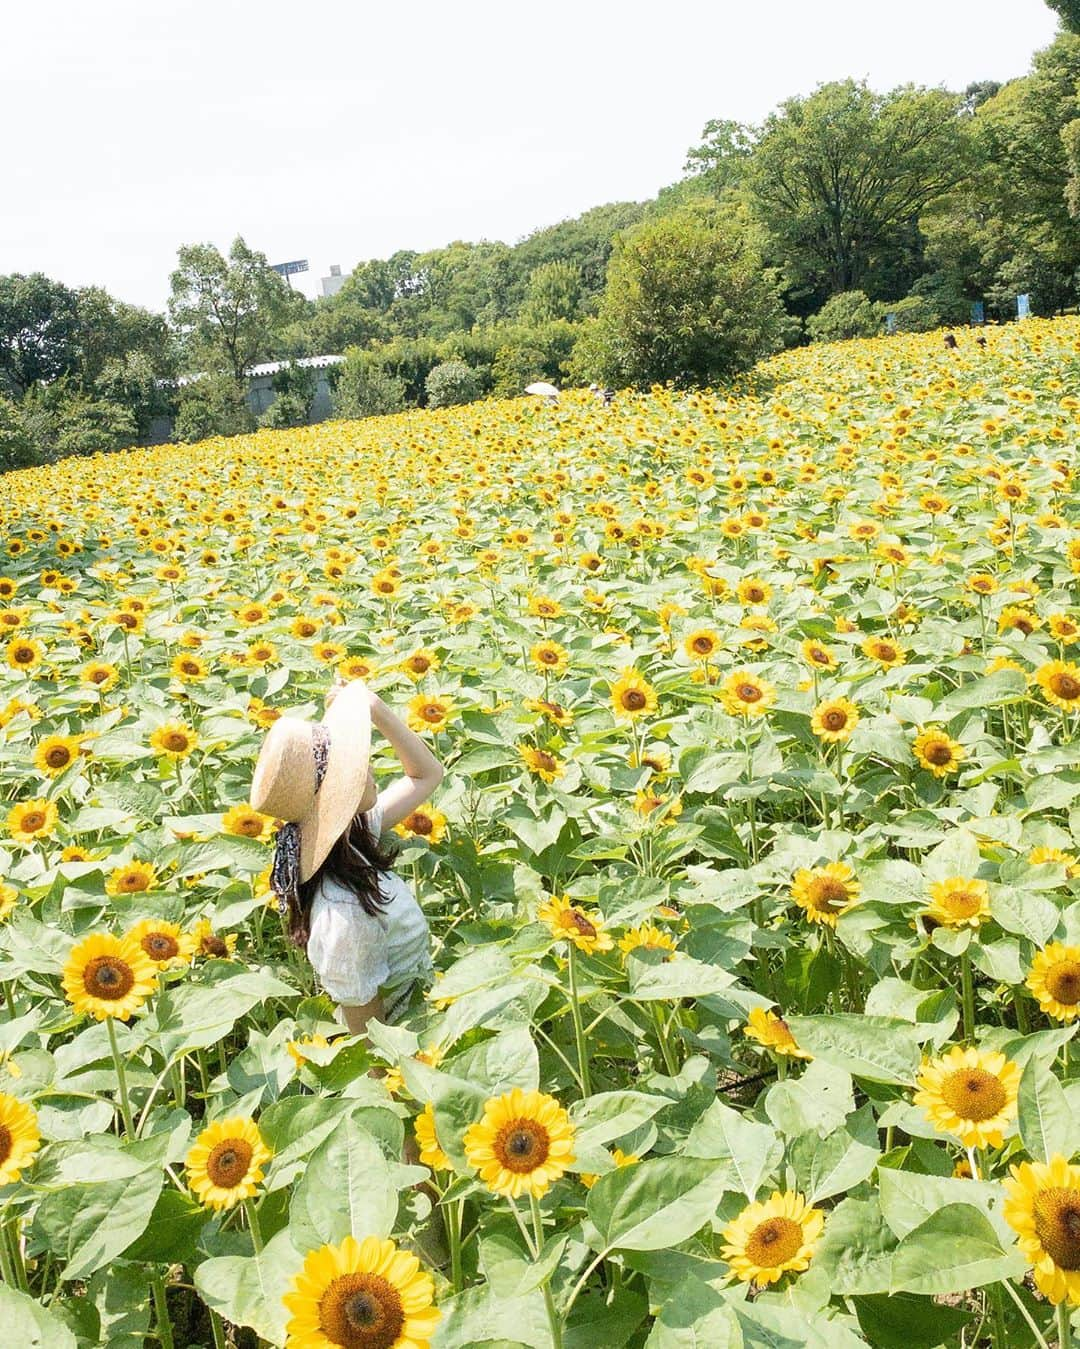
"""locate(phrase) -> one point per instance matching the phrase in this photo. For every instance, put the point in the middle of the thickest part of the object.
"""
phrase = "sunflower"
(174, 739)
(773, 1032)
(647, 937)
(189, 669)
(619, 1157)
(542, 762)
(20, 1137)
(768, 1239)
(1017, 618)
(655, 757)
(937, 751)
(746, 694)
(30, 820)
(361, 1295)
(834, 720)
(99, 675)
(550, 657)
(887, 653)
(431, 1154)
(55, 753)
(568, 922)
(959, 901)
(430, 712)
(107, 976)
(165, 943)
(296, 1047)
(246, 822)
(1042, 1206)
(540, 606)
(131, 878)
(24, 653)
(817, 654)
(553, 712)
(1071, 863)
(523, 1144)
(1060, 683)
(425, 822)
(8, 899)
(419, 663)
(825, 892)
(1054, 978)
(225, 1162)
(632, 696)
(209, 944)
(970, 1093)
(702, 645)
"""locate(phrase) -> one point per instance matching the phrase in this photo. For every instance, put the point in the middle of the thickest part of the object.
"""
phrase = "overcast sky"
(339, 130)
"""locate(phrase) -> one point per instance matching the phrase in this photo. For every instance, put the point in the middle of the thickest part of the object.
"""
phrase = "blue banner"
(890, 323)
(1023, 306)
(978, 312)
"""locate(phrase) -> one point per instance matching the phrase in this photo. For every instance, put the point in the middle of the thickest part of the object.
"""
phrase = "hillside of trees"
(841, 206)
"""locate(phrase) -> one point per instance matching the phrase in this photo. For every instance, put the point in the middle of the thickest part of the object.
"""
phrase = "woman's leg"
(357, 1017)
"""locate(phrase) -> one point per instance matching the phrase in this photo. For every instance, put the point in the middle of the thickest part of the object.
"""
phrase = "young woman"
(367, 935)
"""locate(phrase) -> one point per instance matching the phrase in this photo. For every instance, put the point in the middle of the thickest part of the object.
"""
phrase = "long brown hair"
(354, 861)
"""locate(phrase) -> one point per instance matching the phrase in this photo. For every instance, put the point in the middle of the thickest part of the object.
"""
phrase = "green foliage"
(849, 314)
(839, 178)
(365, 389)
(687, 300)
(287, 409)
(1069, 13)
(226, 310)
(214, 405)
(915, 314)
(86, 425)
(16, 443)
(451, 382)
(38, 331)
(553, 292)
(514, 367)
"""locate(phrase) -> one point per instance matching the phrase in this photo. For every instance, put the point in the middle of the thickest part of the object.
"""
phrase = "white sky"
(339, 130)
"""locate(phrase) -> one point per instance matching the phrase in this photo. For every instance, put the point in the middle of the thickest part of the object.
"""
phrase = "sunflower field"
(754, 879)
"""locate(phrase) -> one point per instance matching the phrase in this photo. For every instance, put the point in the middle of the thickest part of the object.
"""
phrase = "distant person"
(950, 341)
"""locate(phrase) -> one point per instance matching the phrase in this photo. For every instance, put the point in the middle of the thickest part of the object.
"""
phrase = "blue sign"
(1023, 306)
(978, 312)
(289, 268)
(890, 323)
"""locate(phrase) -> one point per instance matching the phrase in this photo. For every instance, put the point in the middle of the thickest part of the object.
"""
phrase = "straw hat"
(284, 782)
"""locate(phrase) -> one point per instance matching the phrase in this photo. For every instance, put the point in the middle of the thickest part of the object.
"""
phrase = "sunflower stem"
(253, 1224)
(453, 1233)
(968, 995)
(161, 1313)
(6, 1269)
(549, 1302)
(997, 1308)
(579, 1033)
(218, 1329)
(11, 1227)
(121, 1078)
(1064, 1330)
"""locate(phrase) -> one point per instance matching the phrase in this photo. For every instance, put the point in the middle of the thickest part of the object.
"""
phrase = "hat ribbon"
(285, 868)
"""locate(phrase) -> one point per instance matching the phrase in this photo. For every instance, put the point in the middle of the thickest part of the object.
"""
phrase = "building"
(333, 283)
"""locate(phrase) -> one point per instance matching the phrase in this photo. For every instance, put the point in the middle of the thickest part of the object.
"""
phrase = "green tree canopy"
(1069, 10)
(227, 310)
(687, 300)
(840, 178)
(39, 331)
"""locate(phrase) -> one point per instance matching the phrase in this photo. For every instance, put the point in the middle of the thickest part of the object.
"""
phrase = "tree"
(1069, 12)
(553, 292)
(16, 443)
(228, 310)
(215, 405)
(723, 155)
(450, 383)
(840, 178)
(109, 331)
(39, 326)
(687, 300)
(365, 389)
(849, 314)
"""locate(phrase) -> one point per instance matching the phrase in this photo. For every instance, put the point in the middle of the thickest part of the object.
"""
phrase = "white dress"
(356, 954)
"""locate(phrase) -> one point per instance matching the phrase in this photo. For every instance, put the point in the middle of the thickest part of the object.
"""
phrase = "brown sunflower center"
(774, 1242)
(128, 621)
(545, 760)
(633, 700)
(748, 693)
(973, 1094)
(818, 656)
(98, 676)
(32, 821)
(1066, 686)
(213, 946)
(175, 740)
(521, 1145)
(576, 919)
(108, 978)
(703, 645)
(835, 719)
(885, 652)
(549, 656)
(133, 881)
(1063, 982)
(1025, 625)
(160, 946)
(431, 712)
(24, 654)
(1057, 1223)
(938, 752)
(420, 823)
(59, 756)
(828, 893)
(5, 1143)
(228, 1164)
(419, 664)
(754, 595)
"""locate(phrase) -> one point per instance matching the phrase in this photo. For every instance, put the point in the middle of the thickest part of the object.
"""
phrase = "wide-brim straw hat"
(283, 784)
